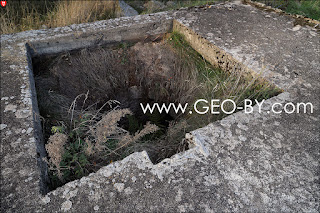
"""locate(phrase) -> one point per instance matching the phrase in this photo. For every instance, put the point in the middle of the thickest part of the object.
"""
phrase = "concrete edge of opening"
(216, 56)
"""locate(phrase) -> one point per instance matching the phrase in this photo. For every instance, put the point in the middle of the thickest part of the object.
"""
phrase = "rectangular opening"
(92, 99)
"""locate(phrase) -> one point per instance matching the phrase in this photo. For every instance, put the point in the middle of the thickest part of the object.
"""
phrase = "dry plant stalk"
(28, 15)
(55, 150)
(75, 12)
(89, 149)
(127, 139)
(108, 128)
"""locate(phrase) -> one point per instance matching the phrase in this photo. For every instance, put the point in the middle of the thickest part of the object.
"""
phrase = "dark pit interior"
(89, 101)
(71, 84)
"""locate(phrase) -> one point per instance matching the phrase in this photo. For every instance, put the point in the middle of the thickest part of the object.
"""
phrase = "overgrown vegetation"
(27, 15)
(77, 149)
(214, 83)
(149, 6)
(308, 8)
(24, 15)
(90, 100)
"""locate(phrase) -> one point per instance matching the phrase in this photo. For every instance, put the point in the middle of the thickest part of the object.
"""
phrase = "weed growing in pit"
(214, 83)
(83, 134)
(91, 138)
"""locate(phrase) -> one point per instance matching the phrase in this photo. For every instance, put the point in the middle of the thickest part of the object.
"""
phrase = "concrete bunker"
(136, 65)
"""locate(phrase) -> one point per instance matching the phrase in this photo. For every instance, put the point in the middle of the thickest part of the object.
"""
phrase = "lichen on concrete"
(257, 162)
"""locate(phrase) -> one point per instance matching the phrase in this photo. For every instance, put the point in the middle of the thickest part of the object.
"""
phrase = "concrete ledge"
(99, 38)
(299, 19)
(213, 54)
(256, 162)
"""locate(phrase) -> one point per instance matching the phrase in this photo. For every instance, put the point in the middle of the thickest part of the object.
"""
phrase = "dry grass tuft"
(55, 149)
(128, 139)
(76, 12)
(107, 128)
(91, 136)
(99, 71)
(29, 15)
(89, 149)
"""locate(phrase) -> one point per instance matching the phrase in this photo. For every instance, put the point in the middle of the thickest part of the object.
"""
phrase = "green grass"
(220, 84)
(308, 8)
(189, 3)
(143, 8)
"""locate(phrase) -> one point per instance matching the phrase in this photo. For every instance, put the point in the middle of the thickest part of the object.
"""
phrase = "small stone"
(242, 138)
(46, 199)
(23, 113)
(29, 130)
(312, 33)
(133, 179)
(10, 107)
(3, 126)
(296, 28)
(119, 186)
(96, 208)
(66, 206)
(189, 136)
(128, 191)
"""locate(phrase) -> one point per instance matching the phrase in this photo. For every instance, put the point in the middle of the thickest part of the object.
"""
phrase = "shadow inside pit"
(78, 93)
(76, 89)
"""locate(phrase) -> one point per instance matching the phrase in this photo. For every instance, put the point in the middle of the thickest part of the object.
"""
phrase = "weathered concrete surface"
(246, 162)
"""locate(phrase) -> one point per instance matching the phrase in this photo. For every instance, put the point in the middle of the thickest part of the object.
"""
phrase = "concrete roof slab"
(245, 162)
